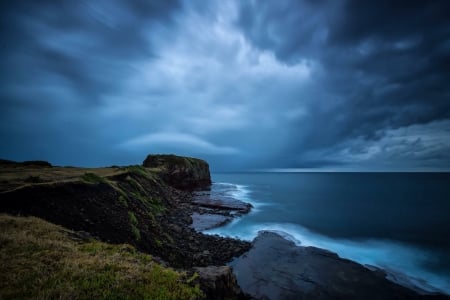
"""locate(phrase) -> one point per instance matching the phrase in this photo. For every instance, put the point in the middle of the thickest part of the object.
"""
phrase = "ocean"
(396, 221)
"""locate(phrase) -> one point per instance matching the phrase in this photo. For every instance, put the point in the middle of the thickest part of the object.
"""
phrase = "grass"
(134, 223)
(139, 170)
(44, 261)
(136, 232)
(132, 217)
(136, 185)
(123, 200)
(15, 176)
(152, 203)
(90, 177)
(33, 179)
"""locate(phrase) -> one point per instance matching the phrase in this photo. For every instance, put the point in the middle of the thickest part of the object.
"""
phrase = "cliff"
(132, 205)
(180, 172)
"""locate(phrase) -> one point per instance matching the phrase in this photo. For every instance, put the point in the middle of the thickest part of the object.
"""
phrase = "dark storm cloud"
(59, 57)
(80, 42)
(383, 64)
(243, 84)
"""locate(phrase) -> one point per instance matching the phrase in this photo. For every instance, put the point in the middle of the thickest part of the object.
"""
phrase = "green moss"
(151, 218)
(41, 261)
(136, 185)
(136, 232)
(92, 178)
(122, 200)
(119, 190)
(138, 170)
(158, 243)
(155, 205)
(152, 204)
(132, 218)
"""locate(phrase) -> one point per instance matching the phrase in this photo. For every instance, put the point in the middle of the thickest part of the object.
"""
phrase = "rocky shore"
(276, 268)
(161, 208)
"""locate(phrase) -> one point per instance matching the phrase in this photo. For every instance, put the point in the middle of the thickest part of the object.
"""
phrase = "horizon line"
(319, 170)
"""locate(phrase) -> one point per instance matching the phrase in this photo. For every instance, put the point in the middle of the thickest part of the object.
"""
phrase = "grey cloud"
(383, 64)
(84, 42)
(254, 84)
(59, 60)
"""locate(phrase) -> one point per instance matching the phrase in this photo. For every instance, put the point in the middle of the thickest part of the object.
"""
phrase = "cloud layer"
(254, 84)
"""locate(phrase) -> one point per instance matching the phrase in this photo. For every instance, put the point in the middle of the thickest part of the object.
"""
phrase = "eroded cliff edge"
(186, 173)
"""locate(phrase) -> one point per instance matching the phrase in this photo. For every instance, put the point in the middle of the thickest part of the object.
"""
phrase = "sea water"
(396, 221)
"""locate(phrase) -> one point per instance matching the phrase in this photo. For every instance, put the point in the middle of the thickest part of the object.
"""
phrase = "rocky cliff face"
(180, 172)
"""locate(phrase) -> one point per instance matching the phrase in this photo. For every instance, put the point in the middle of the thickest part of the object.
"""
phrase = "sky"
(246, 85)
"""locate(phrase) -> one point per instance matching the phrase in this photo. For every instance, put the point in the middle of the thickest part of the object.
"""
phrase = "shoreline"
(137, 205)
(418, 288)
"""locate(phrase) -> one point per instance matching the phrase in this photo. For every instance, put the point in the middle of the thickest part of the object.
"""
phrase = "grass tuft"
(134, 223)
(132, 217)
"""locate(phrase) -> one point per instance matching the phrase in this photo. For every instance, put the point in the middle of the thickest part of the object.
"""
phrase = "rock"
(207, 221)
(176, 228)
(276, 268)
(204, 199)
(219, 283)
(180, 172)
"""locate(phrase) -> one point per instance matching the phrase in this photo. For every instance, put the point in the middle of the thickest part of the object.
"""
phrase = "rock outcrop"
(215, 210)
(180, 172)
(275, 268)
(219, 283)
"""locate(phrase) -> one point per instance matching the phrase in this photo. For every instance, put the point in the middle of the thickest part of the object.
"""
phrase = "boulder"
(219, 283)
(185, 173)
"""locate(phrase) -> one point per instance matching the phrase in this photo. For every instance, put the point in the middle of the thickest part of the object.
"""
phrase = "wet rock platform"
(276, 268)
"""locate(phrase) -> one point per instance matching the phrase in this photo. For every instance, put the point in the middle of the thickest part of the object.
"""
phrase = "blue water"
(396, 221)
